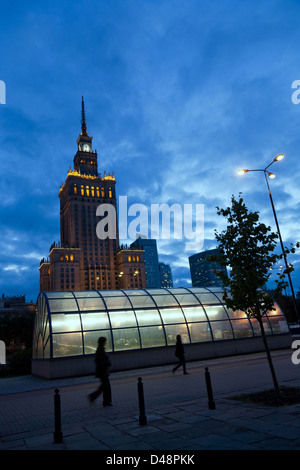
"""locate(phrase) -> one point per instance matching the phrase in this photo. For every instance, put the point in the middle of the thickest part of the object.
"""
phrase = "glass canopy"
(70, 323)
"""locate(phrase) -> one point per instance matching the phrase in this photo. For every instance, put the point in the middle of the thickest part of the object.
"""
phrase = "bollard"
(57, 418)
(211, 403)
(143, 417)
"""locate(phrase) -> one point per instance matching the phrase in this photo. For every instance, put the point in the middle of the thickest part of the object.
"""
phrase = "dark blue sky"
(178, 94)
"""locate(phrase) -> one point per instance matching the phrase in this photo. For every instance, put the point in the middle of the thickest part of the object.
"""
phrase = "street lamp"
(272, 176)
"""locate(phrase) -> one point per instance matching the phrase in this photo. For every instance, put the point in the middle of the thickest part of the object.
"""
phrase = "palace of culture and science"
(81, 261)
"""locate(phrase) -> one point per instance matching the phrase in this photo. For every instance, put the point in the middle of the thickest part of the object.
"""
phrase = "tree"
(247, 247)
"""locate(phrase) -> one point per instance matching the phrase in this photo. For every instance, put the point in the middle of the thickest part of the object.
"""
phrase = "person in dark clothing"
(179, 352)
(102, 371)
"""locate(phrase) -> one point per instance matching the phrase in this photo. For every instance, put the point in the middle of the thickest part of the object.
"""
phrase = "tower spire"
(83, 121)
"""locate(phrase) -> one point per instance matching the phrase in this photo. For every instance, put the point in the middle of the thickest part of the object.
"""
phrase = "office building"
(166, 280)
(203, 270)
(151, 261)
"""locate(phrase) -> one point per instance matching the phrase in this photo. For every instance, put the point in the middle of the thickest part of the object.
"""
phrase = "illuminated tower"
(81, 260)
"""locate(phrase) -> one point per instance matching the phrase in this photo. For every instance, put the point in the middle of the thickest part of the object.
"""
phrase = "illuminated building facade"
(82, 260)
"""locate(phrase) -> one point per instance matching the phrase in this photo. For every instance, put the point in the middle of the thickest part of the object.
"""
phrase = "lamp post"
(272, 176)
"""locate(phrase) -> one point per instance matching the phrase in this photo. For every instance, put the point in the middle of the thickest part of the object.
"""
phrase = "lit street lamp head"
(271, 175)
(242, 172)
(279, 157)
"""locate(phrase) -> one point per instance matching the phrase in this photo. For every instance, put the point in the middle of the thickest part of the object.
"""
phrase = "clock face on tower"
(86, 148)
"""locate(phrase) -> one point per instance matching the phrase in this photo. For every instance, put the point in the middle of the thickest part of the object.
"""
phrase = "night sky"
(179, 94)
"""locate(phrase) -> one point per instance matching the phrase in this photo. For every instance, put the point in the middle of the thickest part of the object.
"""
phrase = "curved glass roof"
(70, 323)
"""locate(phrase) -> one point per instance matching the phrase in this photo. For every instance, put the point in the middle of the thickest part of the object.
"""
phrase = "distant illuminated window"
(129, 258)
(75, 189)
(102, 192)
(67, 257)
(109, 192)
(61, 257)
(138, 258)
(98, 192)
(82, 190)
(71, 257)
(93, 191)
(87, 190)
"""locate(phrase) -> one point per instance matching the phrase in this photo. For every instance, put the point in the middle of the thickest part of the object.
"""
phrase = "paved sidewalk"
(178, 417)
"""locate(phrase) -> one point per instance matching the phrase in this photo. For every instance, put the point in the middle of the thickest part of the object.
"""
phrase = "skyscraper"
(202, 270)
(151, 261)
(82, 260)
(166, 279)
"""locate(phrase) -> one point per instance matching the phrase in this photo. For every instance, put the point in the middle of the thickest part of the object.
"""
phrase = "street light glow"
(279, 157)
(271, 175)
(242, 172)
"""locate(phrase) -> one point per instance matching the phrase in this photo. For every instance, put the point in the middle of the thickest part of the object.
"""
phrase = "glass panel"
(63, 305)
(187, 299)
(208, 299)
(242, 328)
(65, 322)
(95, 321)
(59, 295)
(135, 292)
(256, 327)
(172, 315)
(122, 319)
(142, 301)
(158, 291)
(279, 324)
(152, 336)
(217, 312)
(148, 317)
(236, 314)
(194, 313)
(127, 338)
(117, 303)
(164, 300)
(91, 304)
(68, 344)
(86, 293)
(111, 293)
(199, 332)
(173, 330)
(90, 339)
(221, 330)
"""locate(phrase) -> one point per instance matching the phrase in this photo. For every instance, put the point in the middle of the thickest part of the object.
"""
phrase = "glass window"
(139, 301)
(164, 300)
(60, 295)
(116, 303)
(90, 339)
(85, 293)
(65, 322)
(127, 338)
(207, 298)
(152, 336)
(216, 312)
(148, 317)
(122, 319)
(172, 315)
(256, 327)
(95, 321)
(186, 299)
(221, 330)
(199, 332)
(194, 313)
(278, 324)
(173, 330)
(242, 328)
(62, 305)
(67, 344)
(91, 303)
(236, 314)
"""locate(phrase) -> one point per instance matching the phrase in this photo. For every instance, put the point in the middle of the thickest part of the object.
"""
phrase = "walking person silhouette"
(102, 371)
(179, 352)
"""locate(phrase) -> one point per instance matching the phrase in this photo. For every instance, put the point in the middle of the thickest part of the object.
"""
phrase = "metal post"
(57, 418)
(211, 403)
(143, 417)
